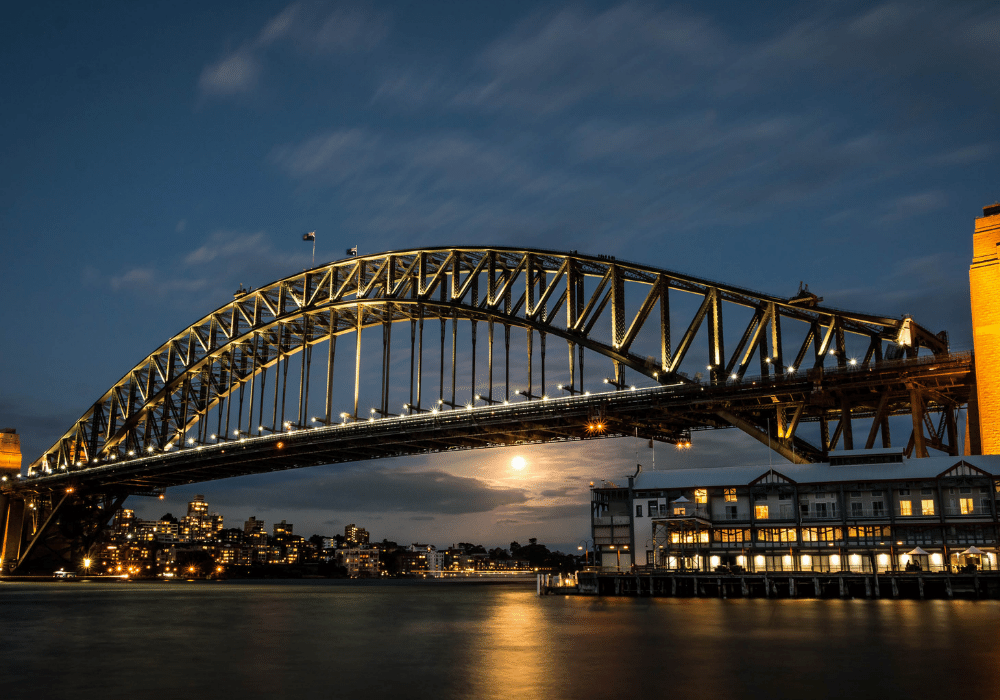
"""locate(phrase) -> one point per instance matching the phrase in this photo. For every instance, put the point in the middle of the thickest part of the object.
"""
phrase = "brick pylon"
(984, 287)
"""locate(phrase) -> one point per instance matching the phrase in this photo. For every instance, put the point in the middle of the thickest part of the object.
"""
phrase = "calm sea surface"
(445, 640)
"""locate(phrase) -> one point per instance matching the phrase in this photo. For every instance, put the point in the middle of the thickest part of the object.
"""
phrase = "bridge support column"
(984, 288)
(12, 510)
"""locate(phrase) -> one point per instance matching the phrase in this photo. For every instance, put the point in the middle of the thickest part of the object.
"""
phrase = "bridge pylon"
(983, 422)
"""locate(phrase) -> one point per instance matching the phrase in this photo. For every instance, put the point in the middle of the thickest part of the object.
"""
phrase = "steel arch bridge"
(258, 385)
(227, 375)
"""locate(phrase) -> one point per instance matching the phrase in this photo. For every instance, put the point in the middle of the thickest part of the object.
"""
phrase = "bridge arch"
(218, 369)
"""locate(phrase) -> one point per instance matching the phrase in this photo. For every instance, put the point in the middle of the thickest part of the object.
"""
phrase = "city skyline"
(159, 157)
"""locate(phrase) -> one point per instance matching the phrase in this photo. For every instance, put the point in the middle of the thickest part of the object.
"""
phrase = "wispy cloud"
(234, 74)
(221, 261)
(311, 29)
(383, 489)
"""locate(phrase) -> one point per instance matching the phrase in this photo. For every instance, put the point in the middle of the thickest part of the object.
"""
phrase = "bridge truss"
(499, 347)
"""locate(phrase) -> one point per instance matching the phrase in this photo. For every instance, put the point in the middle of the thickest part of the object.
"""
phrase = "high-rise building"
(355, 534)
(198, 525)
(283, 528)
(199, 506)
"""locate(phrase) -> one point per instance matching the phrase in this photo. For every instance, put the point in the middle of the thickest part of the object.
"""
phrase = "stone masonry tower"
(984, 287)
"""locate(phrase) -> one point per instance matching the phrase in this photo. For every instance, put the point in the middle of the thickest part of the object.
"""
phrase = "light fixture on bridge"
(767, 360)
(149, 449)
(212, 436)
(853, 361)
(190, 441)
(734, 376)
(131, 453)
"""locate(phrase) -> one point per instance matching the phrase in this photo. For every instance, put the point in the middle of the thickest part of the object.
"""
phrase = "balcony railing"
(973, 512)
(916, 513)
(738, 516)
(689, 513)
(820, 515)
(856, 513)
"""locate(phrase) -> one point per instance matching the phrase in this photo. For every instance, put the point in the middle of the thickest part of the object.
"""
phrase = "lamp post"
(586, 551)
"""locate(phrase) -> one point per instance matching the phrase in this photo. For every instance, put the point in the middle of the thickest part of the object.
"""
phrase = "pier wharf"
(798, 584)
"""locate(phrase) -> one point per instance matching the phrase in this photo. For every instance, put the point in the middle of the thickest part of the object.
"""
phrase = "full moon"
(518, 463)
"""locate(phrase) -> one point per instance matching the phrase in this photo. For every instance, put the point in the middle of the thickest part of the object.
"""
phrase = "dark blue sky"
(157, 155)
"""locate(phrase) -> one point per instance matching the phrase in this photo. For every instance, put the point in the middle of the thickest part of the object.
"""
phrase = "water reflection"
(295, 640)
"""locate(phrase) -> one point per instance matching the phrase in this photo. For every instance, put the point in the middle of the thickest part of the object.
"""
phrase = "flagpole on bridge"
(311, 236)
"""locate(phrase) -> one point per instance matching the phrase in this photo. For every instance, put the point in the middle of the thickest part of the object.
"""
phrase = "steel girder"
(665, 413)
(587, 301)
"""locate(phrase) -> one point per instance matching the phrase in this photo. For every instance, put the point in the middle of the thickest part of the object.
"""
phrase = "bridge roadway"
(666, 413)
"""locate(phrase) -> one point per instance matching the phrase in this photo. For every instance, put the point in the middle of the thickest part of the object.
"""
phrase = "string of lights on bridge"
(592, 428)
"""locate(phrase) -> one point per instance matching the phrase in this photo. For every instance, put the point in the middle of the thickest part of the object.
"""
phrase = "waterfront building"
(360, 562)
(863, 510)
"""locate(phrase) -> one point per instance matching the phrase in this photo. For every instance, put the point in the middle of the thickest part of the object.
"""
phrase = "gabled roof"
(963, 468)
(908, 470)
(772, 477)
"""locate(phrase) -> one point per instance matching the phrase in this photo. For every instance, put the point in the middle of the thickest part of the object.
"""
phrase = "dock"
(776, 584)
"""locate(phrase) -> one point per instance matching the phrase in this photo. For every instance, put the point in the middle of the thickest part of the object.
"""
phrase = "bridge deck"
(664, 413)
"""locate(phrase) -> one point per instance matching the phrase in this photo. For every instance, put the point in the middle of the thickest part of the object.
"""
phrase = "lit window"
(906, 508)
(965, 505)
(760, 512)
(701, 495)
(730, 495)
(927, 506)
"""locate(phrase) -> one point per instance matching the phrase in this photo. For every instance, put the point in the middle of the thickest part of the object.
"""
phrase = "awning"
(917, 551)
(974, 550)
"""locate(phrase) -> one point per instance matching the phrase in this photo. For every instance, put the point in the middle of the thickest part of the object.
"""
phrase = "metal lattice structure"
(227, 375)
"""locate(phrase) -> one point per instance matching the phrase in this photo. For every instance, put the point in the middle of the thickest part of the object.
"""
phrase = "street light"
(584, 546)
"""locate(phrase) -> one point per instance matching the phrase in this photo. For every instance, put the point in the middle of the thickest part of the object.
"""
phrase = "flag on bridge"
(353, 252)
(311, 236)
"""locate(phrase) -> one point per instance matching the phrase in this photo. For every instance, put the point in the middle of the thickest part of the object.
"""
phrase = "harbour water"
(408, 639)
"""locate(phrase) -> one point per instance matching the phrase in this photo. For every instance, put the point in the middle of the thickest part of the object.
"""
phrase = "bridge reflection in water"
(256, 385)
